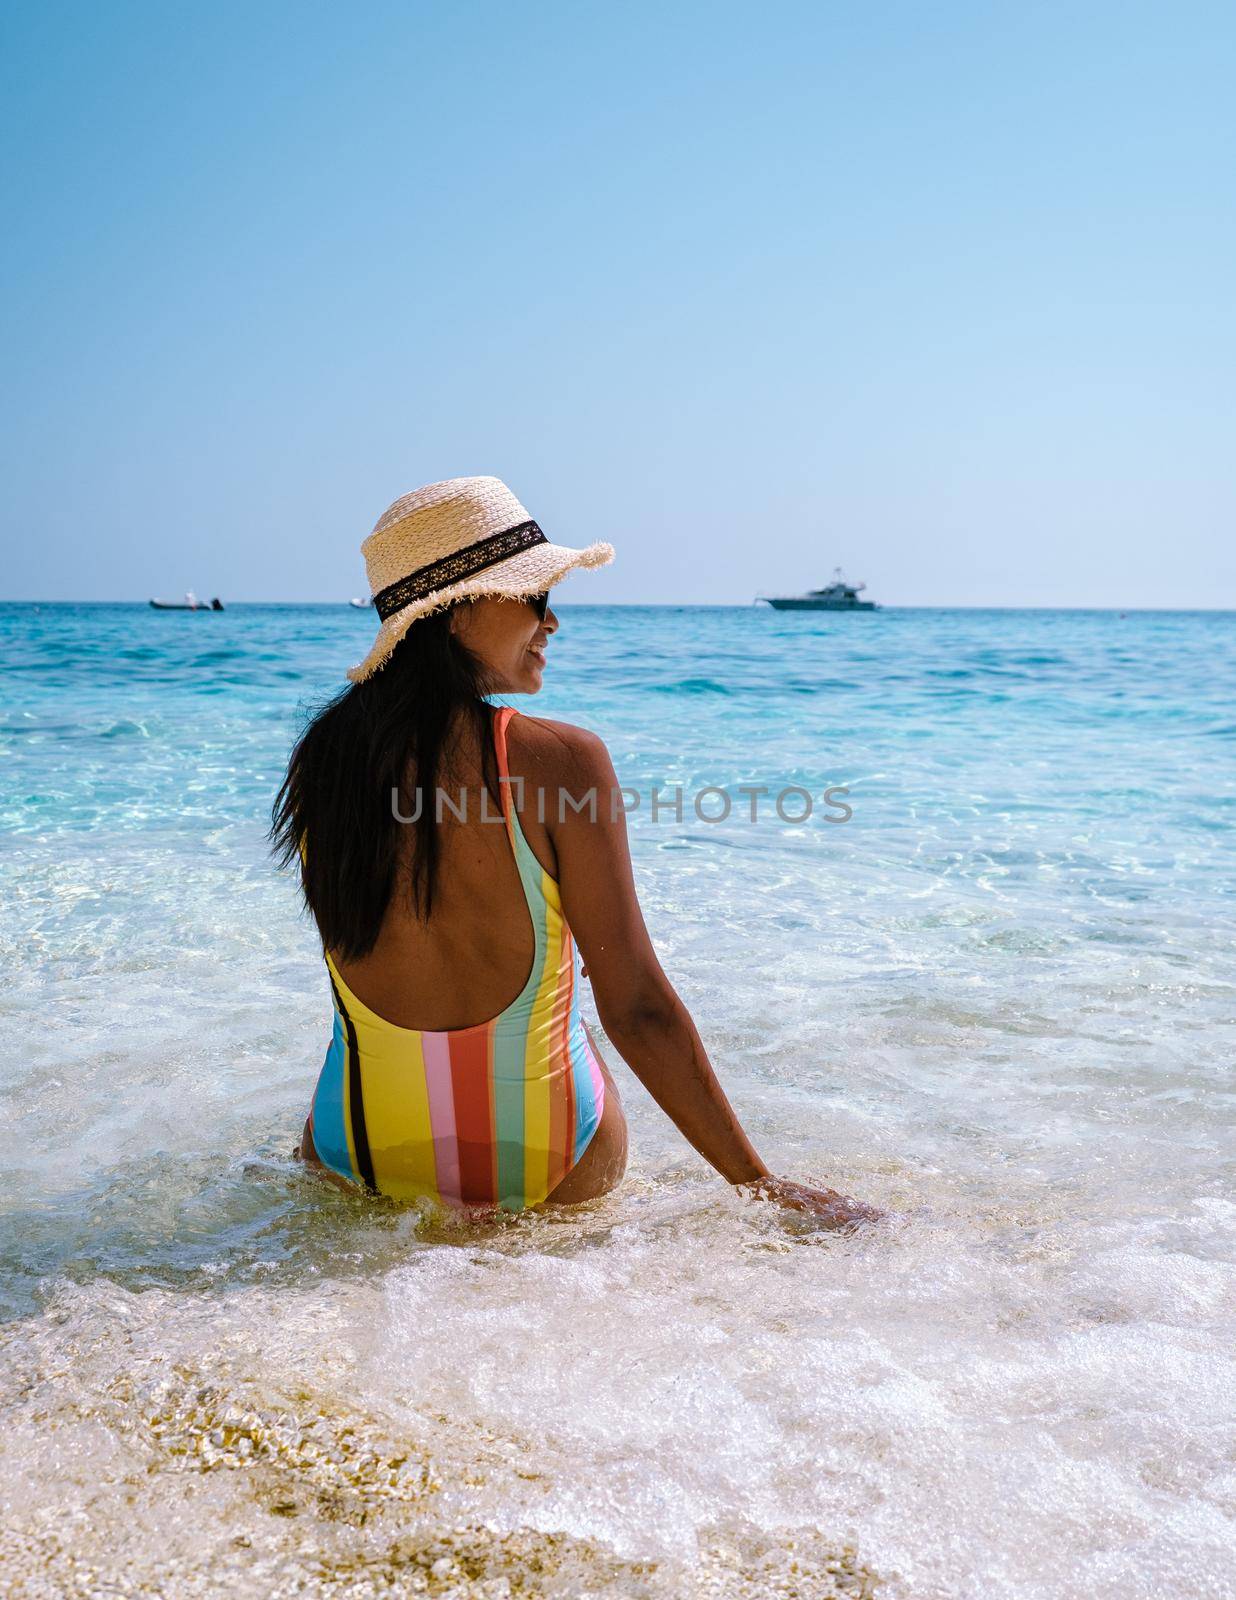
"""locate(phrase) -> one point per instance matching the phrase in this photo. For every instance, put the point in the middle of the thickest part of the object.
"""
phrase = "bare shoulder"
(560, 752)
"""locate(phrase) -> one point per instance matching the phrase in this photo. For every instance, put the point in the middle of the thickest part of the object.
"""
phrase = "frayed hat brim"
(532, 571)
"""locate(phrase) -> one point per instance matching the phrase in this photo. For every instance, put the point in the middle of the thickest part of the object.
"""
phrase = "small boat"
(361, 605)
(189, 603)
(837, 596)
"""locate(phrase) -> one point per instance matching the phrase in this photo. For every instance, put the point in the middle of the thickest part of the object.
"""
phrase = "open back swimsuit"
(494, 1114)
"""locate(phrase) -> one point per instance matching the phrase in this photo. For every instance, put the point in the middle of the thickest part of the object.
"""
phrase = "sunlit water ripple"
(999, 1001)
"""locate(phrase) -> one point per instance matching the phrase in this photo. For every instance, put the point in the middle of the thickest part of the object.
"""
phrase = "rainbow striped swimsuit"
(495, 1114)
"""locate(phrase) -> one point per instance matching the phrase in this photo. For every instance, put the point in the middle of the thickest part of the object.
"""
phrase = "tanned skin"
(464, 966)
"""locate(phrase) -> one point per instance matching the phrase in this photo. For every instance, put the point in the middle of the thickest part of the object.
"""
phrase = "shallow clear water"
(1000, 1001)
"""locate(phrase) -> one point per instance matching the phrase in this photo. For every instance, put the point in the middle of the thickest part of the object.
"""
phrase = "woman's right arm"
(636, 1003)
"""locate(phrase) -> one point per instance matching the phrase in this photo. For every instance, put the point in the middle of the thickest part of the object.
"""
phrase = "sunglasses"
(538, 602)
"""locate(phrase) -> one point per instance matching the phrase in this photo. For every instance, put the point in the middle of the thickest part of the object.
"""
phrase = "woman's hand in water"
(836, 1210)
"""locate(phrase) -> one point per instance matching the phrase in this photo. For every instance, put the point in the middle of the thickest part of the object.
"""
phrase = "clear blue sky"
(943, 293)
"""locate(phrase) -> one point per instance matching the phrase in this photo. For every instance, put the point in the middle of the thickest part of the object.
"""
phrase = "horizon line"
(681, 605)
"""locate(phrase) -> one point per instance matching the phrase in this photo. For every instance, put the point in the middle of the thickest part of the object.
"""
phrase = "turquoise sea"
(999, 1001)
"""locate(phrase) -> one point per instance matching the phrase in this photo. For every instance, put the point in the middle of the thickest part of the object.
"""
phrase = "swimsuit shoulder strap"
(502, 717)
(530, 869)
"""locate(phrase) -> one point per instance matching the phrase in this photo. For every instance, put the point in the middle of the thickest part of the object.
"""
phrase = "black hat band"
(459, 564)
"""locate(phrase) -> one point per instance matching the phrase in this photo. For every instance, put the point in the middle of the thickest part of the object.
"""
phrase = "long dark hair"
(385, 734)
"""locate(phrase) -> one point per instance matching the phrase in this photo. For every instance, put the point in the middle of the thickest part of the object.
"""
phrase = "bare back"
(473, 955)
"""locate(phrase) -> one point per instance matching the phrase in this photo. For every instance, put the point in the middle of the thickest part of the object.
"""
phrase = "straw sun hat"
(451, 541)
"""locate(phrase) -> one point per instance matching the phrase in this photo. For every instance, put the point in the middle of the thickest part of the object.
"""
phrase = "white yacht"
(837, 596)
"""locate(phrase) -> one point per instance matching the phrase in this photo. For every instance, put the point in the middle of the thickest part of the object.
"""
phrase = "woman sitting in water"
(453, 855)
